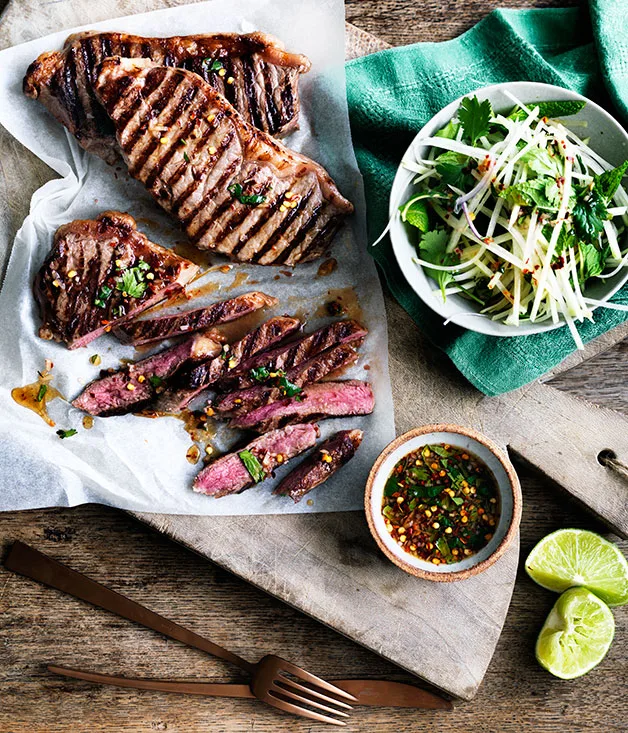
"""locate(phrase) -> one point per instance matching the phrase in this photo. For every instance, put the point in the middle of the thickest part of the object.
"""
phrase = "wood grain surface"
(39, 626)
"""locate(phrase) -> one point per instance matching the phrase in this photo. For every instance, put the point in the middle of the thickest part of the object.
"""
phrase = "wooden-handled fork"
(273, 680)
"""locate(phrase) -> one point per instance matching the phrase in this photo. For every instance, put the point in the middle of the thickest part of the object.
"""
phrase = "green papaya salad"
(517, 213)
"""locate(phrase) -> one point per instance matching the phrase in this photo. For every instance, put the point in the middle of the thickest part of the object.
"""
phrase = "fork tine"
(289, 707)
(314, 680)
(312, 691)
(307, 701)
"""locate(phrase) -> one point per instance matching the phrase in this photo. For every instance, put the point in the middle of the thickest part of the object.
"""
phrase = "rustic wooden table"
(38, 625)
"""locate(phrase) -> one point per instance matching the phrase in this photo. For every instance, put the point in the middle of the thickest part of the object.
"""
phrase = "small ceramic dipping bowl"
(506, 481)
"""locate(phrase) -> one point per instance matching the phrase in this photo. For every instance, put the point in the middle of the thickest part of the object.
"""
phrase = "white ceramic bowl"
(498, 464)
(608, 139)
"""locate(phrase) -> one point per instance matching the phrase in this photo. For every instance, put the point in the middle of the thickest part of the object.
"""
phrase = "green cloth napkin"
(393, 93)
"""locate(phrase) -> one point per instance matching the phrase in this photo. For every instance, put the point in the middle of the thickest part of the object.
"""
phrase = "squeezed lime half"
(576, 635)
(576, 557)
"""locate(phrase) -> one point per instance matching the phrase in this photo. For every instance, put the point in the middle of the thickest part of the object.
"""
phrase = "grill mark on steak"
(163, 327)
(63, 81)
(243, 401)
(229, 475)
(316, 402)
(84, 257)
(291, 354)
(196, 189)
(321, 464)
(111, 395)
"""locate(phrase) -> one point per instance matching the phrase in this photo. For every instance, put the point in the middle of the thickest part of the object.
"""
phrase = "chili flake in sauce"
(441, 504)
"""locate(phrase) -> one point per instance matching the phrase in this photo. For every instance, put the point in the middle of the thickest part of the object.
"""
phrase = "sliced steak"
(80, 287)
(229, 474)
(195, 380)
(290, 355)
(324, 461)
(264, 88)
(244, 400)
(233, 188)
(137, 384)
(148, 330)
(318, 401)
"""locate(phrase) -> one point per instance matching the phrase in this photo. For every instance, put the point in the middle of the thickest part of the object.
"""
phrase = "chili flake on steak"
(441, 504)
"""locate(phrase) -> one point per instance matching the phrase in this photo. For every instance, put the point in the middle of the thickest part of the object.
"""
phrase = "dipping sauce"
(441, 504)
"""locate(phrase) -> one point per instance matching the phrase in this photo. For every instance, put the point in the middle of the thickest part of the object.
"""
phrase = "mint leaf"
(589, 214)
(475, 117)
(592, 261)
(453, 169)
(432, 248)
(608, 182)
(415, 213)
(252, 465)
(540, 192)
(555, 109)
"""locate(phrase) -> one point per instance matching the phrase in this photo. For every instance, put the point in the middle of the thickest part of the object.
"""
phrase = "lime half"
(576, 635)
(576, 557)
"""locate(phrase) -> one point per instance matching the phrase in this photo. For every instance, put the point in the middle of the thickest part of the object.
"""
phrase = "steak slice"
(233, 188)
(325, 460)
(195, 380)
(264, 90)
(149, 330)
(294, 353)
(229, 474)
(81, 285)
(244, 400)
(136, 384)
(327, 399)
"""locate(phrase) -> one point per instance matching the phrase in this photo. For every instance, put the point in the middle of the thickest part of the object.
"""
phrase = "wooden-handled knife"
(368, 692)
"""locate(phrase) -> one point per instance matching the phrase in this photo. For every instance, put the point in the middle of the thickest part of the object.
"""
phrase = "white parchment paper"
(136, 463)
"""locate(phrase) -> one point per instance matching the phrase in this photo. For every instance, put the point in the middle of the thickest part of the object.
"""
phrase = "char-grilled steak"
(135, 385)
(325, 460)
(229, 474)
(195, 380)
(148, 330)
(292, 354)
(234, 189)
(264, 88)
(80, 287)
(244, 400)
(318, 401)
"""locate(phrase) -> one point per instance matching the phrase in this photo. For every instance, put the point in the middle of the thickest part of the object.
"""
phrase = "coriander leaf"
(555, 109)
(475, 117)
(155, 380)
(236, 190)
(589, 214)
(43, 388)
(260, 374)
(252, 465)
(287, 388)
(415, 213)
(608, 182)
(67, 433)
(449, 131)
(132, 281)
(210, 64)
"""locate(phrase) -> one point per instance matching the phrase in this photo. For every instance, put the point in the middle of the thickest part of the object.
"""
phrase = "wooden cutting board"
(327, 565)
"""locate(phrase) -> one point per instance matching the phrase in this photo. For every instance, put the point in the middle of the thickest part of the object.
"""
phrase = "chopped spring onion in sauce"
(441, 504)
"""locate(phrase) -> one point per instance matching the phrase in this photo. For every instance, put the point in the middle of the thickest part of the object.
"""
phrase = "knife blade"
(368, 692)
